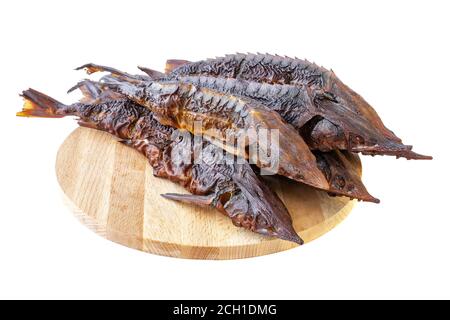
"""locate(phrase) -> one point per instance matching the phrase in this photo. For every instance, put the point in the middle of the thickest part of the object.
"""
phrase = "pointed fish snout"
(290, 235)
(391, 148)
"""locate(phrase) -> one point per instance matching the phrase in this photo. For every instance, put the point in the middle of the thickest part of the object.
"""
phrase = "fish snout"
(390, 148)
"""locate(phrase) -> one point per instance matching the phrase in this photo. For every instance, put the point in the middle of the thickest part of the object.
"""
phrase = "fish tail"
(37, 104)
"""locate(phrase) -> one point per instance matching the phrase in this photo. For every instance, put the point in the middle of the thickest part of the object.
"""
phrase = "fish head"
(353, 123)
(254, 206)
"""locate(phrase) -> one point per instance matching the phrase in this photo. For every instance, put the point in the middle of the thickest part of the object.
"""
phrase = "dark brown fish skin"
(171, 64)
(180, 105)
(341, 170)
(336, 102)
(323, 126)
(294, 105)
(93, 68)
(258, 67)
(234, 189)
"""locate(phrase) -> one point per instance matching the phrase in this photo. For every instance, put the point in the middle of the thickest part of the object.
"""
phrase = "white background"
(394, 53)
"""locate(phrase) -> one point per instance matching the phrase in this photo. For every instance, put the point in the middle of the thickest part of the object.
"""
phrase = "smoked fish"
(232, 188)
(339, 118)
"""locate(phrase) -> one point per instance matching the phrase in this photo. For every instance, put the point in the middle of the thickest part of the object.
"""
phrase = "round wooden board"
(111, 189)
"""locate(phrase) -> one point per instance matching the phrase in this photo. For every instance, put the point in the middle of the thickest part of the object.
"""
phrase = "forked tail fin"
(37, 104)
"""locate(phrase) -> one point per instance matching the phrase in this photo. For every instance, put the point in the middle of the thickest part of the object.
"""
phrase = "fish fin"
(127, 142)
(204, 201)
(87, 86)
(86, 124)
(93, 92)
(40, 105)
(153, 74)
(93, 68)
(172, 64)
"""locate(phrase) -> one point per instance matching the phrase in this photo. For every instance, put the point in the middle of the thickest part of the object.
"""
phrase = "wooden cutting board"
(111, 189)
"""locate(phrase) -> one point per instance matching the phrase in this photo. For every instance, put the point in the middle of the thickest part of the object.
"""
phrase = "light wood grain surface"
(111, 189)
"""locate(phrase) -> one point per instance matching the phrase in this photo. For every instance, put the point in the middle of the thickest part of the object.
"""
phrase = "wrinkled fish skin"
(341, 168)
(344, 119)
(293, 103)
(181, 105)
(234, 189)
(261, 67)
